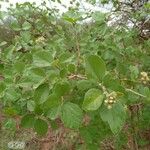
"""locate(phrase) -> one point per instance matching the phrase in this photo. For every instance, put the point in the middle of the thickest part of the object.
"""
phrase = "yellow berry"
(147, 78)
(144, 82)
(109, 106)
(144, 74)
(106, 101)
(142, 78)
(111, 101)
(111, 97)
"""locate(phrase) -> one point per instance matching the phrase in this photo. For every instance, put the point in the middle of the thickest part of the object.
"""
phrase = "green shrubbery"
(63, 67)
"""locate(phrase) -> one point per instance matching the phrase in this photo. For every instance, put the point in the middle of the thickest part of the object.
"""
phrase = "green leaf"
(41, 127)
(115, 117)
(31, 105)
(41, 93)
(112, 84)
(38, 110)
(99, 16)
(54, 113)
(95, 67)
(19, 66)
(61, 88)
(26, 25)
(71, 115)
(10, 124)
(71, 20)
(42, 59)
(15, 26)
(3, 43)
(84, 85)
(10, 111)
(11, 94)
(92, 100)
(28, 121)
(71, 68)
(26, 36)
(52, 101)
(2, 87)
(36, 74)
(134, 72)
(33, 77)
(145, 91)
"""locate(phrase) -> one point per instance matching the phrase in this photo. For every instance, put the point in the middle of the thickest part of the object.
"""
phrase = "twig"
(76, 76)
(136, 93)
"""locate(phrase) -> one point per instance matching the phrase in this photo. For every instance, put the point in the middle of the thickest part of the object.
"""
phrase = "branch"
(76, 76)
(136, 93)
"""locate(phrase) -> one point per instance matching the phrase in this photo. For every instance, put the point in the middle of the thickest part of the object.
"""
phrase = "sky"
(4, 5)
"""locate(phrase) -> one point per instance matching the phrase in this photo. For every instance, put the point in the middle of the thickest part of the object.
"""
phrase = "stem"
(136, 93)
(76, 76)
(77, 47)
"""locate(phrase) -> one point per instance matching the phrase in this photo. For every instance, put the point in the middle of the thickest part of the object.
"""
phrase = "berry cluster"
(144, 78)
(111, 99)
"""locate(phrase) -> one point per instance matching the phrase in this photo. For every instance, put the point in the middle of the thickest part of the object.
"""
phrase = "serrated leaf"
(28, 121)
(15, 26)
(42, 59)
(61, 88)
(99, 16)
(41, 93)
(112, 84)
(71, 115)
(10, 111)
(19, 66)
(10, 124)
(84, 85)
(52, 101)
(115, 117)
(95, 67)
(26, 25)
(54, 113)
(92, 100)
(11, 94)
(26, 36)
(33, 77)
(41, 127)
(31, 105)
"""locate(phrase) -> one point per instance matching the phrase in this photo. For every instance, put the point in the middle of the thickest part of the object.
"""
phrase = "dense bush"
(63, 67)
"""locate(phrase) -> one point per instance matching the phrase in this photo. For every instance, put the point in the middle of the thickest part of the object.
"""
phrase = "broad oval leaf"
(15, 26)
(26, 25)
(41, 127)
(92, 99)
(52, 101)
(28, 121)
(31, 105)
(71, 115)
(95, 67)
(115, 117)
(42, 59)
(98, 16)
(61, 88)
(41, 93)
(54, 113)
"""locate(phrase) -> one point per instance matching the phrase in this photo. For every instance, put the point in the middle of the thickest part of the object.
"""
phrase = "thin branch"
(76, 76)
(136, 93)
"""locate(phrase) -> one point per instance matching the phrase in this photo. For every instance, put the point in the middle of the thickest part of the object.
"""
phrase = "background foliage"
(89, 76)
